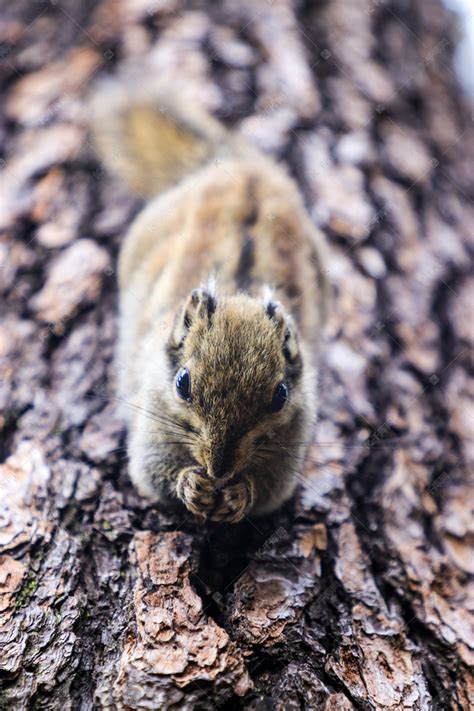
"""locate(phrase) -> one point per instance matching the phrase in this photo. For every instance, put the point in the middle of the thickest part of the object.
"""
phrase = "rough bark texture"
(358, 594)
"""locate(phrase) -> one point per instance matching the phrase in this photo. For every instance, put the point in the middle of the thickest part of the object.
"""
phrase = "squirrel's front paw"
(233, 501)
(206, 498)
(196, 490)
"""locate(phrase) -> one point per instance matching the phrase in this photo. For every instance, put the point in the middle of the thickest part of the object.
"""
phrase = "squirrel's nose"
(221, 460)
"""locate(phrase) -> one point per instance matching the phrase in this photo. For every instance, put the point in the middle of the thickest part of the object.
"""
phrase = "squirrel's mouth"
(222, 480)
(232, 477)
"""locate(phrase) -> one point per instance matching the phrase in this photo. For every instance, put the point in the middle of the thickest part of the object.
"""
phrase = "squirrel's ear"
(284, 326)
(201, 303)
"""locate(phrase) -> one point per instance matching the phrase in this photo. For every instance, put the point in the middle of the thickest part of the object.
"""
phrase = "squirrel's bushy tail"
(152, 139)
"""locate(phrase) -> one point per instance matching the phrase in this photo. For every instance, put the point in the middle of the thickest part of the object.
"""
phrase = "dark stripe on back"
(246, 262)
(243, 276)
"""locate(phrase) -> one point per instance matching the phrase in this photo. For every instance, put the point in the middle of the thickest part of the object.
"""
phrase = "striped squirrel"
(222, 299)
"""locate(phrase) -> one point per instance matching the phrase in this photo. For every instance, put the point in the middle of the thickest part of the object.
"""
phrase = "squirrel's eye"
(280, 397)
(183, 384)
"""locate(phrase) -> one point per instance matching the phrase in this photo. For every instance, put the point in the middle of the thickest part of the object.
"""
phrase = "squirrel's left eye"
(280, 397)
(183, 384)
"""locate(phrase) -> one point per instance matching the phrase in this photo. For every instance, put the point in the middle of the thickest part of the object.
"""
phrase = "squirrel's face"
(236, 379)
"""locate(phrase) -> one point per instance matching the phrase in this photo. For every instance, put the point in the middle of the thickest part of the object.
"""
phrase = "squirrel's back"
(219, 207)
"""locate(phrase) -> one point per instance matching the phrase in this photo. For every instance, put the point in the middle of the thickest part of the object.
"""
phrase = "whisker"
(340, 443)
(161, 418)
(303, 479)
(179, 440)
(274, 446)
(160, 430)
(330, 464)
(117, 449)
(333, 463)
(171, 425)
(152, 428)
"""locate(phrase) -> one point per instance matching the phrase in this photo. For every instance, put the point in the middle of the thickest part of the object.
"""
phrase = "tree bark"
(359, 593)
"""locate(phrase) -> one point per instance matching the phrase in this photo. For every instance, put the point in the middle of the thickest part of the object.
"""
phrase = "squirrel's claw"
(233, 502)
(203, 496)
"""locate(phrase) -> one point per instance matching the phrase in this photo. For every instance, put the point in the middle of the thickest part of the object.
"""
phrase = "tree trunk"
(357, 595)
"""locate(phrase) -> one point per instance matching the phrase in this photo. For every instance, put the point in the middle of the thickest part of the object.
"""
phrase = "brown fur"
(240, 218)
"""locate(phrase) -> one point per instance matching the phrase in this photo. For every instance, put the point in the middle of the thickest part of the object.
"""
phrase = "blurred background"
(464, 58)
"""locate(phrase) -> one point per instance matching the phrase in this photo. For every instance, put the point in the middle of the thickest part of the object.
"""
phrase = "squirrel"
(222, 301)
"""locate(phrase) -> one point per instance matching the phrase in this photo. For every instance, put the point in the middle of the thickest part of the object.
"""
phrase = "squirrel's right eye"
(183, 384)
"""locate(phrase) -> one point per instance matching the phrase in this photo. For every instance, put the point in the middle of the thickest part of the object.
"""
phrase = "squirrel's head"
(236, 378)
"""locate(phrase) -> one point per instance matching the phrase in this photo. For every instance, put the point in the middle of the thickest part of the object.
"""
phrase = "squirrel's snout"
(217, 468)
(220, 461)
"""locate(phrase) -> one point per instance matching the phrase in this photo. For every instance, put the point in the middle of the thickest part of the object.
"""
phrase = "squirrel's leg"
(153, 467)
